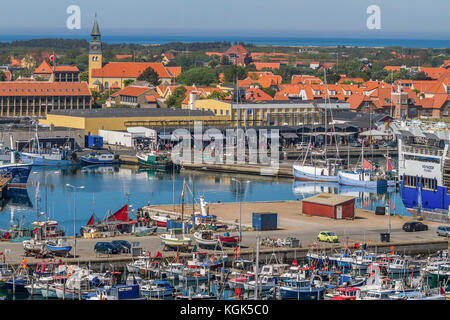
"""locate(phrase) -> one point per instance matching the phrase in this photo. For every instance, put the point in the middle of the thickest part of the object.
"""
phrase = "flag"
(294, 263)
(158, 255)
(389, 166)
(91, 221)
(212, 258)
(367, 165)
(51, 57)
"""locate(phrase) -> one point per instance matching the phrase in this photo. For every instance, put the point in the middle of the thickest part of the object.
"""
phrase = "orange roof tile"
(44, 88)
(132, 91)
(174, 71)
(129, 70)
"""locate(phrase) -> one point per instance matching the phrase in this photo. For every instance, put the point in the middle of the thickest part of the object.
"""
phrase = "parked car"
(106, 248)
(122, 245)
(414, 226)
(327, 236)
(443, 231)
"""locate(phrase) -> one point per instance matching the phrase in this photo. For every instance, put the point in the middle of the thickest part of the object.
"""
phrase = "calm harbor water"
(105, 189)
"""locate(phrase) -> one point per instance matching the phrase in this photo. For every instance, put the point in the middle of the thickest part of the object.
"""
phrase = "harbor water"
(74, 193)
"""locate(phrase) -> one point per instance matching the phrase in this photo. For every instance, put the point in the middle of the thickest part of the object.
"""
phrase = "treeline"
(46, 43)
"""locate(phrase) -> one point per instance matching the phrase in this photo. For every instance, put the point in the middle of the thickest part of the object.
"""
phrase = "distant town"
(243, 83)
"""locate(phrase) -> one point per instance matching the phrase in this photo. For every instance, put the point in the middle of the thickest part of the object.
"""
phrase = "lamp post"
(74, 218)
(240, 210)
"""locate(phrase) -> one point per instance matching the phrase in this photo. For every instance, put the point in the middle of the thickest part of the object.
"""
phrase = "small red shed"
(330, 206)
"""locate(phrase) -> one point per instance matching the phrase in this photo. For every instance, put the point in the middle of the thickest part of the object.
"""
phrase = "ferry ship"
(424, 171)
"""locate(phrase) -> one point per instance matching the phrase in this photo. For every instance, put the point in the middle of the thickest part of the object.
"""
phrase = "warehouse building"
(119, 119)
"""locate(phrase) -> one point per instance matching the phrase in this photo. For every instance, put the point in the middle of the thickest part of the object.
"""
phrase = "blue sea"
(256, 40)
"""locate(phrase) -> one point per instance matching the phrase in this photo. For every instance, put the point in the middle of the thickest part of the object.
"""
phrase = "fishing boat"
(98, 158)
(153, 159)
(348, 293)
(265, 283)
(315, 173)
(402, 266)
(228, 240)
(156, 289)
(59, 247)
(48, 157)
(18, 173)
(161, 221)
(34, 247)
(203, 259)
(199, 275)
(302, 290)
(116, 292)
(175, 238)
(438, 274)
(362, 178)
(205, 239)
(241, 280)
(49, 229)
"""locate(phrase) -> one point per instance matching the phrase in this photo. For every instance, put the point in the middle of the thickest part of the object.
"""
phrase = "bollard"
(32, 287)
(46, 292)
(64, 291)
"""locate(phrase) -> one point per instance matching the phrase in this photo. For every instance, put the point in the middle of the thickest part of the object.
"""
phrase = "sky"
(283, 18)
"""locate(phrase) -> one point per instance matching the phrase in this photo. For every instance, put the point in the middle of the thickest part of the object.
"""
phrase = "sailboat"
(176, 238)
(328, 170)
(35, 245)
(366, 177)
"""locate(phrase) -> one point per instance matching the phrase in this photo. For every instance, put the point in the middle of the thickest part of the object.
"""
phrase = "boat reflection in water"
(366, 198)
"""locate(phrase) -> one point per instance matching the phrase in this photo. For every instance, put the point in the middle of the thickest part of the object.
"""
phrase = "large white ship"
(424, 169)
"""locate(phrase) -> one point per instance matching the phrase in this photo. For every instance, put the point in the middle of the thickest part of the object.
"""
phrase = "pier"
(364, 229)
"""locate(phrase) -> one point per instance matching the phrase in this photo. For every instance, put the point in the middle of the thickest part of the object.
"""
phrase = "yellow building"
(263, 113)
(118, 119)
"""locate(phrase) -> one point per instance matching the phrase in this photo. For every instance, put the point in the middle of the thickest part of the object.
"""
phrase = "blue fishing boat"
(60, 247)
(362, 178)
(301, 290)
(98, 158)
(54, 157)
(19, 175)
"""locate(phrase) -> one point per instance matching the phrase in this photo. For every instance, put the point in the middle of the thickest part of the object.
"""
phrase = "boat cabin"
(346, 293)
(274, 269)
(44, 269)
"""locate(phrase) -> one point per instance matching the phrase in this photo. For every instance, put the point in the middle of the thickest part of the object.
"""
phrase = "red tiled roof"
(39, 88)
(257, 94)
(46, 68)
(305, 79)
(124, 56)
(266, 65)
(236, 49)
(132, 91)
(175, 71)
(129, 70)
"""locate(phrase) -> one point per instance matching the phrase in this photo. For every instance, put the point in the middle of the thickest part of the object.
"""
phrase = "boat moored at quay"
(424, 171)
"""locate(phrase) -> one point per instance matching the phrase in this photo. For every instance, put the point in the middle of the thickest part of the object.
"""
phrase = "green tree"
(150, 76)
(176, 98)
(219, 95)
(232, 71)
(271, 92)
(84, 76)
(2, 76)
(200, 76)
(127, 82)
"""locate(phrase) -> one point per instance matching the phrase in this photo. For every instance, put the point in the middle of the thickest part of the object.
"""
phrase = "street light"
(74, 218)
(240, 209)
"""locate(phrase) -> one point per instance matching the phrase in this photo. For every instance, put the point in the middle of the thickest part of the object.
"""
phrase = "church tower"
(95, 51)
